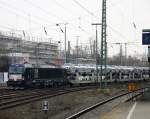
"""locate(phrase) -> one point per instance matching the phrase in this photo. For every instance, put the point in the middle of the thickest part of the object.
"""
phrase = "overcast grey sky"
(33, 15)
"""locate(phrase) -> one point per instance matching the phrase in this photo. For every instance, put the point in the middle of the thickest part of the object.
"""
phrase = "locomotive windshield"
(16, 69)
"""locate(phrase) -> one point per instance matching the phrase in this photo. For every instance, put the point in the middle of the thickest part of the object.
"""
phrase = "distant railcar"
(86, 74)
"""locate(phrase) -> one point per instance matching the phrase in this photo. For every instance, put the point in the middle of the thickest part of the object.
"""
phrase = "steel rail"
(30, 92)
(28, 99)
(22, 94)
(82, 112)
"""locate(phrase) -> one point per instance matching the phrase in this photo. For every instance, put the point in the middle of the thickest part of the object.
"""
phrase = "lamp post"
(65, 37)
(11, 55)
(37, 54)
(59, 49)
(96, 24)
(121, 54)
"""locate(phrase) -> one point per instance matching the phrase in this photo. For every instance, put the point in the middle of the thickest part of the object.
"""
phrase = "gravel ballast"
(60, 107)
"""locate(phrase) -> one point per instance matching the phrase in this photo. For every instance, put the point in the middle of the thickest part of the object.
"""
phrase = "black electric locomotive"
(37, 77)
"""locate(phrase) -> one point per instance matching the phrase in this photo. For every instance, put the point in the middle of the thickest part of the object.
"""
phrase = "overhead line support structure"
(103, 45)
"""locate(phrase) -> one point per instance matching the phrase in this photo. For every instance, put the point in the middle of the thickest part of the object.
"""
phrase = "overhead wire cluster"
(36, 19)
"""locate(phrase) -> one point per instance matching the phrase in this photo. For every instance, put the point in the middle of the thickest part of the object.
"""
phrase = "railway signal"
(45, 108)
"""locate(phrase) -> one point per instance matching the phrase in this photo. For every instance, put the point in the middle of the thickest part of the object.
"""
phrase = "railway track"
(92, 107)
(22, 93)
(10, 91)
(17, 100)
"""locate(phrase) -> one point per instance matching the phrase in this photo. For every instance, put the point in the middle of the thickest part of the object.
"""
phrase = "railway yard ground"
(62, 106)
(137, 109)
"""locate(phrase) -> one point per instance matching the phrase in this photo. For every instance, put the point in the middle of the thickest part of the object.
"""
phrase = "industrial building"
(27, 50)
